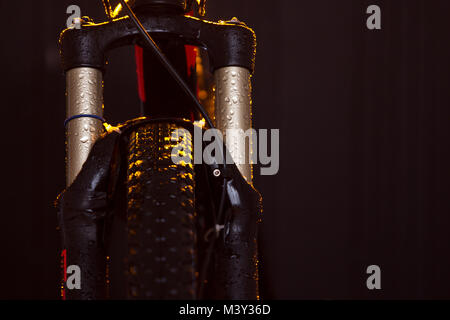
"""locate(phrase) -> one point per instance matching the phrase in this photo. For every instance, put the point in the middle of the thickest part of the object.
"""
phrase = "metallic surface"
(84, 94)
(233, 111)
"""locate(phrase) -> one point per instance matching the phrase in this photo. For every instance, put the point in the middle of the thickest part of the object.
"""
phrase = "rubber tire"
(162, 254)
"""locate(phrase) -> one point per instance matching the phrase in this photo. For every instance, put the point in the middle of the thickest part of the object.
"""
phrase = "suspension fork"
(231, 47)
(84, 109)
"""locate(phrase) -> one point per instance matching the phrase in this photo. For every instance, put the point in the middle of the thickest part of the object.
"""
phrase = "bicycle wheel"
(162, 255)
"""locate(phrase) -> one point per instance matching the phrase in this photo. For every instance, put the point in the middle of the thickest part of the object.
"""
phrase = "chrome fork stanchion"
(84, 96)
(233, 110)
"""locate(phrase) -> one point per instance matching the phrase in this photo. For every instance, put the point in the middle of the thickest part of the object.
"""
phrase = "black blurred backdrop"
(363, 117)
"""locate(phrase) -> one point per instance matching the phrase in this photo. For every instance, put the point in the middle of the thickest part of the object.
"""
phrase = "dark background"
(363, 117)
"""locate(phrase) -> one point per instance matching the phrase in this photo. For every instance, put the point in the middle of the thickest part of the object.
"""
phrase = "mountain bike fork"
(96, 160)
